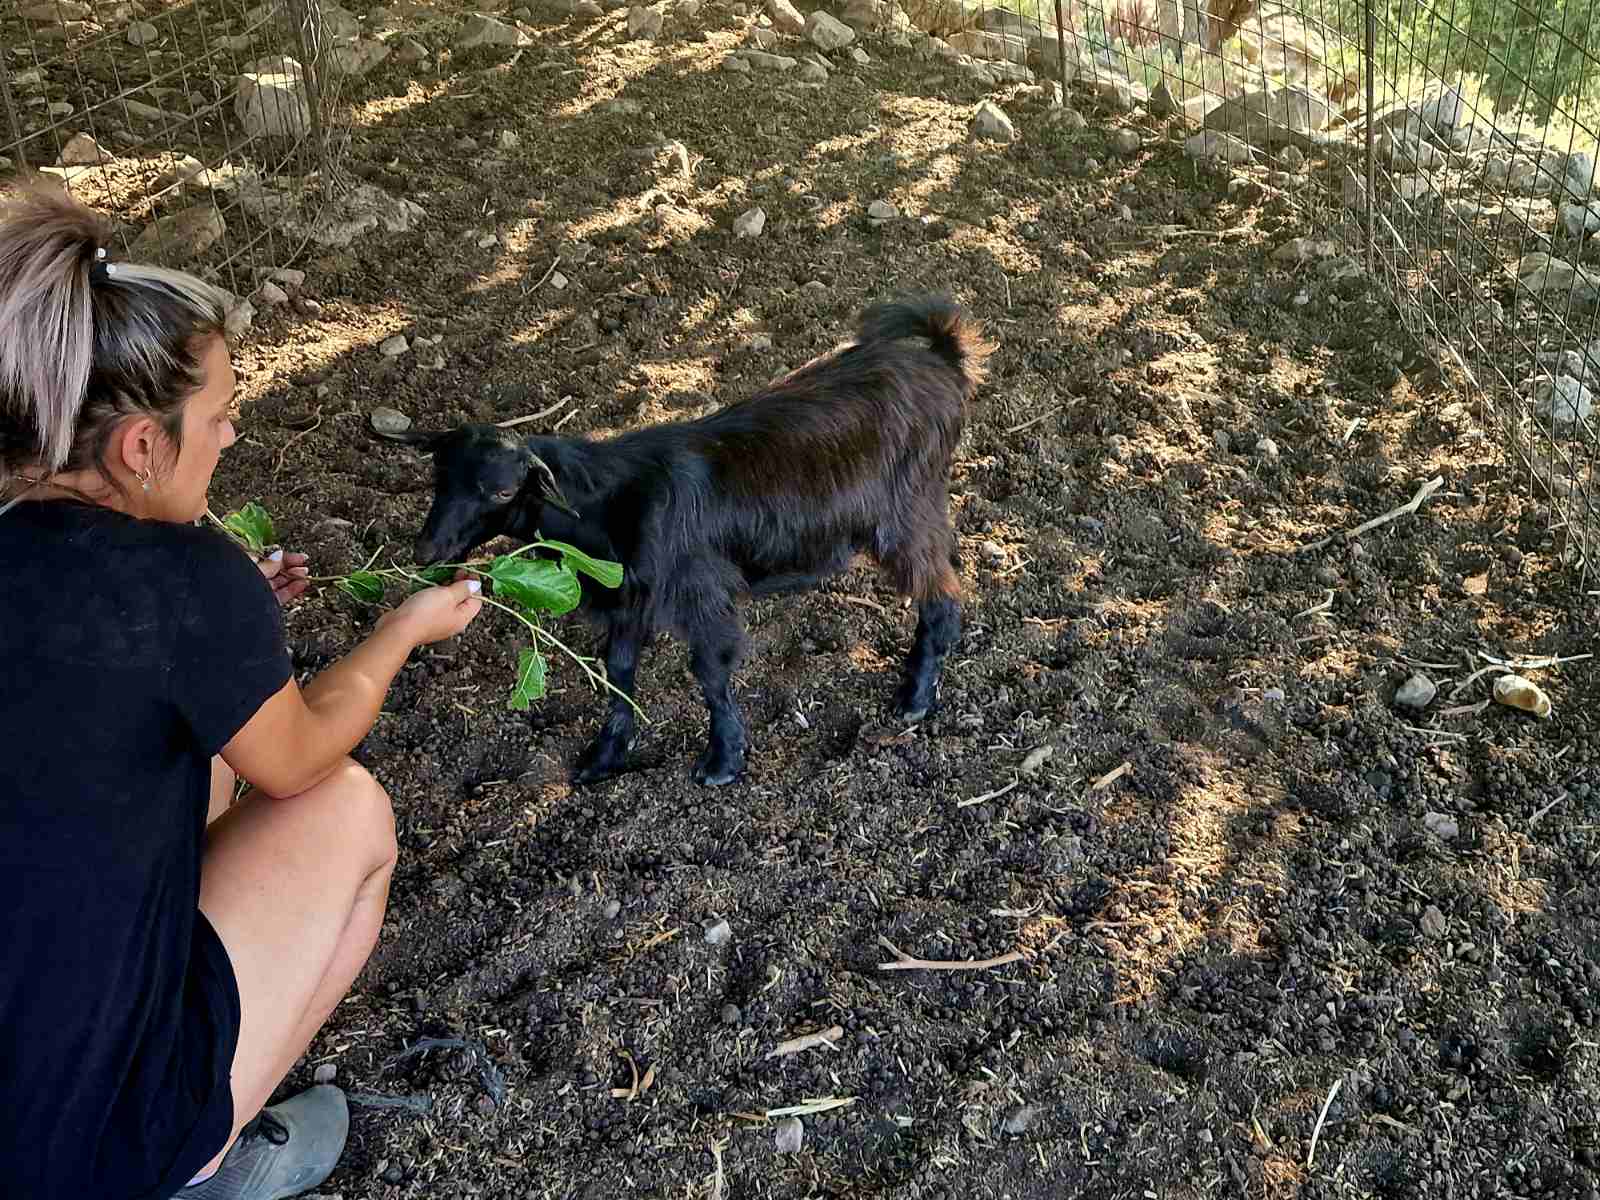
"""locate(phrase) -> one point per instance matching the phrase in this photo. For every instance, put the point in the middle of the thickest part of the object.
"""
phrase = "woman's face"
(180, 492)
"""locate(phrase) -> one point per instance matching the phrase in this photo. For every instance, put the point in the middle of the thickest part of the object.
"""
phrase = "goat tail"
(955, 336)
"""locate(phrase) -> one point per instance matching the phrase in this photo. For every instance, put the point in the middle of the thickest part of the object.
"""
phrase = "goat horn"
(550, 489)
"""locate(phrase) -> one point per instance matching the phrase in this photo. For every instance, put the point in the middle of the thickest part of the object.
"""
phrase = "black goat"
(848, 454)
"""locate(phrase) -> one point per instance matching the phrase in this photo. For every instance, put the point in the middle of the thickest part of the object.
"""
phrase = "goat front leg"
(714, 653)
(608, 753)
(938, 631)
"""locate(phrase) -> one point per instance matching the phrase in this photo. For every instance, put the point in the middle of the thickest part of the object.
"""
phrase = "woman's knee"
(365, 806)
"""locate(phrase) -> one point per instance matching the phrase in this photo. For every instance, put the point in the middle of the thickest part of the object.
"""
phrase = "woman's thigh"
(279, 883)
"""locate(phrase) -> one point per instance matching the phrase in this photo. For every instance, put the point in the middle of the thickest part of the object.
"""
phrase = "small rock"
(1222, 440)
(763, 37)
(325, 1073)
(479, 30)
(82, 150)
(749, 224)
(759, 343)
(1417, 692)
(612, 909)
(719, 934)
(859, 56)
(991, 122)
(389, 420)
(1267, 449)
(811, 72)
(181, 236)
(1126, 143)
(393, 347)
(786, 17)
(789, 1136)
(828, 33)
(1516, 692)
(271, 293)
(1162, 102)
(1291, 158)
(487, 240)
(645, 23)
(271, 101)
(1035, 759)
(1442, 826)
(288, 277)
(993, 553)
(770, 62)
(240, 317)
(1304, 249)
(736, 64)
(411, 52)
(1433, 922)
(1019, 1119)
(731, 1014)
(142, 33)
(1070, 119)
(558, 281)
(509, 140)
(881, 211)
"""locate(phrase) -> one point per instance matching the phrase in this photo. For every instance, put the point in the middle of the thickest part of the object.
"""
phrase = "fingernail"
(275, 556)
(474, 586)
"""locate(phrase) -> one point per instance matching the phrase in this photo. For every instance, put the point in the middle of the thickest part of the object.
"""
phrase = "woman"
(167, 957)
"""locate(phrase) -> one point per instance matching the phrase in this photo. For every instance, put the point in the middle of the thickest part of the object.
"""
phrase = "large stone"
(1223, 147)
(55, 11)
(786, 17)
(1273, 117)
(142, 33)
(272, 104)
(991, 123)
(82, 150)
(180, 237)
(645, 24)
(1563, 401)
(1578, 178)
(1579, 220)
(1005, 47)
(827, 33)
(1545, 275)
(480, 30)
(357, 57)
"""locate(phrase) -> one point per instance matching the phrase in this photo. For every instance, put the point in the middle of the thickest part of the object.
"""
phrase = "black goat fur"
(849, 454)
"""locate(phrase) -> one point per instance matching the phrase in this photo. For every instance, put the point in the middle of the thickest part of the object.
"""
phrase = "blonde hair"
(83, 347)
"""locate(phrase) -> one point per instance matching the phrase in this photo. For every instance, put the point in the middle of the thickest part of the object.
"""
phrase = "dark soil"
(1255, 912)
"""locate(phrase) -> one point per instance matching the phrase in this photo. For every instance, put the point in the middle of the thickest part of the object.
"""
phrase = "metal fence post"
(1371, 67)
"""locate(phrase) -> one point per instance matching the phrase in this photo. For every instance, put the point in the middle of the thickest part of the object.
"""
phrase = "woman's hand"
(287, 573)
(436, 613)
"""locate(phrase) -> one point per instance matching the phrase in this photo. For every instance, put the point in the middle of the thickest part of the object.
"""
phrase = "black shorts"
(211, 1003)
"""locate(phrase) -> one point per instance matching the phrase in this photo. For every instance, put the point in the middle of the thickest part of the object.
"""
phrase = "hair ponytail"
(82, 349)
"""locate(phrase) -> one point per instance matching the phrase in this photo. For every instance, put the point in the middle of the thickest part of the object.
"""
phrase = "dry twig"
(994, 795)
(825, 1037)
(905, 962)
(1406, 509)
(1311, 1154)
(538, 416)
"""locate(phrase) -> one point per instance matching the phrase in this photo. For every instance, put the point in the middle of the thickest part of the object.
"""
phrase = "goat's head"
(482, 477)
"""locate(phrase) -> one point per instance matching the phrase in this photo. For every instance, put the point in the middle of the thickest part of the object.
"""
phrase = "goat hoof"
(598, 763)
(718, 770)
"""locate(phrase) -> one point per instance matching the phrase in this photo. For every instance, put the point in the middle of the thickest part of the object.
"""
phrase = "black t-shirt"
(131, 652)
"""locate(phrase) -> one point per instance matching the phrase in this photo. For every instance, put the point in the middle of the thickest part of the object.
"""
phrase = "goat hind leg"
(930, 579)
(608, 753)
(714, 653)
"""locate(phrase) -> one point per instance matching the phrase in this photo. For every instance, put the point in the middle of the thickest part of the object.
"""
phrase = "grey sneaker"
(285, 1150)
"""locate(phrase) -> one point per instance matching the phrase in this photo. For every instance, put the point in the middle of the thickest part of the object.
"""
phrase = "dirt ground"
(1294, 885)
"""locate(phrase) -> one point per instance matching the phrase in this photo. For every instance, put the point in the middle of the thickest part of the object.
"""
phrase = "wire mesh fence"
(1443, 148)
(209, 131)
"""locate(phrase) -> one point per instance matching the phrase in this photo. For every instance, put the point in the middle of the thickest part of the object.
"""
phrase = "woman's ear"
(136, 448)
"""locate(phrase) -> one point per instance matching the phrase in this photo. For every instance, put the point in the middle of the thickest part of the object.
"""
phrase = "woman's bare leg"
(296, 888)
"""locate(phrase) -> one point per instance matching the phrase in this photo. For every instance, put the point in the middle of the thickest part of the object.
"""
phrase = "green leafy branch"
(526, 589)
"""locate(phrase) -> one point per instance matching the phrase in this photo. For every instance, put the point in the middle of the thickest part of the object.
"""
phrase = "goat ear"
(421, 439)
(548, 488)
